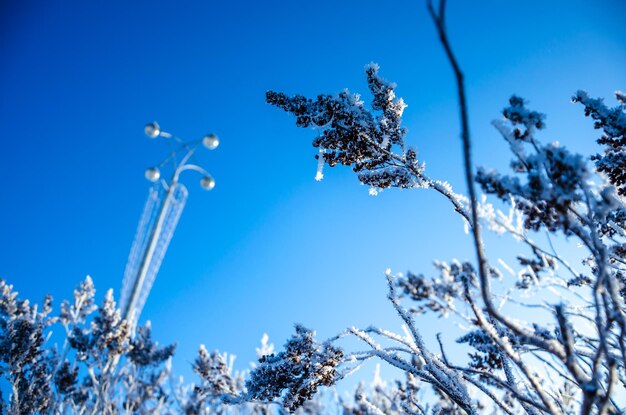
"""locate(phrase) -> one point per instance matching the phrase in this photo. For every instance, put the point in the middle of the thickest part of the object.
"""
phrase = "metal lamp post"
(158, 221)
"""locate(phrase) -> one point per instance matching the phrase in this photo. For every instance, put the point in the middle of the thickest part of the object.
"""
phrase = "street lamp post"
(158, 221)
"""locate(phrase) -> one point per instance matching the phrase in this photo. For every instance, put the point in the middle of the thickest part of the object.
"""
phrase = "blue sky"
(269, 246)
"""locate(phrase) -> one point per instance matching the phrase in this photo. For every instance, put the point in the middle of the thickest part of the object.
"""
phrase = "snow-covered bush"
(85, 360)
(295, 374)
(568, 357)
(99, 368)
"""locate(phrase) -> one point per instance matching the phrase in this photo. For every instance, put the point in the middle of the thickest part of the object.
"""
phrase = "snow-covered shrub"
(85, 360)
(99, 367)
(295, 374)
(23, 362)
(567, 357)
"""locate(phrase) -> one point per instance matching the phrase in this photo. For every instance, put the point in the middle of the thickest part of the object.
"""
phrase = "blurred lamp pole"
(158, 221)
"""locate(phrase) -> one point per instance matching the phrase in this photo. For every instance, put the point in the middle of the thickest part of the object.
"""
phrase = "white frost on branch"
(266, 348)
(319, 175)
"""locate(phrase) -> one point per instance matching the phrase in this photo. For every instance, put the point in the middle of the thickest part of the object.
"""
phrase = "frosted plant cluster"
(354, 136)
(545, 334)
(567, 355)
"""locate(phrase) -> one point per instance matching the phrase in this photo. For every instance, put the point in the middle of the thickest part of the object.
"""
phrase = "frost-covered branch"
(567, 358)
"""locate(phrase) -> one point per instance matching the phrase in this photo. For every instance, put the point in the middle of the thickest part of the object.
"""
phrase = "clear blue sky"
(269, 246)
